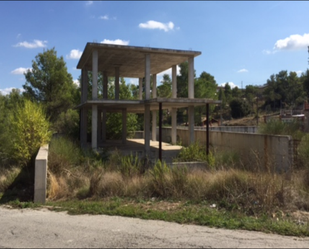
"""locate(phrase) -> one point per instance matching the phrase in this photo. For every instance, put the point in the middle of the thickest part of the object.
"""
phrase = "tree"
(29, 129)
(49, 84)
(239, 108)
(165, 89)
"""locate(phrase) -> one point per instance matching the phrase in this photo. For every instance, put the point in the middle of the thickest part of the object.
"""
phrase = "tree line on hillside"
(50, 90)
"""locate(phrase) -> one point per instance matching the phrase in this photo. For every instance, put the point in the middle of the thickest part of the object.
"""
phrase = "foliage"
(49, 84)
(29, 130)
(165, 89)
(239, 108)
(303, 150)
(68, 123)
(277, 127)
(284, 90)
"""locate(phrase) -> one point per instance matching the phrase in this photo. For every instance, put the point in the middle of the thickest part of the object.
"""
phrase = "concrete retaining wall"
(40, 177)
(264, 152)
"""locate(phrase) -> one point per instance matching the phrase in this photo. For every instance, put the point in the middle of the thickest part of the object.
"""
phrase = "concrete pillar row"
(117, 83)
(154, 113)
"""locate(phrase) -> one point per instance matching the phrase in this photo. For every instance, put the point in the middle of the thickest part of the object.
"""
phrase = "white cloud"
(9, 90)
(157, 25)
(74, 54)
(115, 42)
(76, 82)
(34, 44)
(20, 70)
(242, 70)
(232, 85)
(105, 17)
(293, 42)
(89, 3)
(299, 72)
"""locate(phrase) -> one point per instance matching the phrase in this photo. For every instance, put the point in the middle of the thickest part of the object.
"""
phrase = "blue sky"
(241, 42)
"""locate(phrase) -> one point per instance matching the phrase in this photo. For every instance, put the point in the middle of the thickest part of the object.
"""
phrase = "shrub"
(29, 130)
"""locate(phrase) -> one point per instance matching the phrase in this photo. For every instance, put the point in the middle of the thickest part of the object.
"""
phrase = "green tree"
(165, 89)
(49, 84)
(29, 129)
(239, 108)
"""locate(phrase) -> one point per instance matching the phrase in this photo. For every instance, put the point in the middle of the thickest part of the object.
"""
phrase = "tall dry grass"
(232, 188)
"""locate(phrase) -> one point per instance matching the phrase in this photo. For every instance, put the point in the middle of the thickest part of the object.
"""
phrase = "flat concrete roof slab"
(131, 59)
(138, 106)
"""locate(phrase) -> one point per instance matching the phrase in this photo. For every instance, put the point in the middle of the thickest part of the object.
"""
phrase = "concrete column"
(124, 126)
(94, 128)
(116, 82)
(104, 126)
(154, 113)
(140, 83)
(84, 85)
(147, 107)
(174, 126)
(174, 81)
(105, 85)
(174, 110)
(147, 76)
(147, 129)
(191, 77)
(95, 74)
(191, 124)
(99, 137)
(83, 127)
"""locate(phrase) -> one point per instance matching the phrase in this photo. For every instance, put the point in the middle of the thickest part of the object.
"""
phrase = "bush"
(29, 130)
(277, 127)
(239, 108)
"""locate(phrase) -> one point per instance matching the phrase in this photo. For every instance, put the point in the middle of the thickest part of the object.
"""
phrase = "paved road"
(44, 228)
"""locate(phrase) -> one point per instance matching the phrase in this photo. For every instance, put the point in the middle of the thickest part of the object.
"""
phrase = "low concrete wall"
(241, 129)
(40, 177)
(263, 152)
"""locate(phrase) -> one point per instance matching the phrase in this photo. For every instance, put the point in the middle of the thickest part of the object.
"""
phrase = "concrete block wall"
(265, 152)
(40, 177)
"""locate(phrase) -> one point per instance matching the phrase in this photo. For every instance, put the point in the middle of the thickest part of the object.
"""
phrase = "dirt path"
(44, 228)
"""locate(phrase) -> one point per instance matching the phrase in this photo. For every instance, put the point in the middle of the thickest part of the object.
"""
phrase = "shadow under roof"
(131, 59)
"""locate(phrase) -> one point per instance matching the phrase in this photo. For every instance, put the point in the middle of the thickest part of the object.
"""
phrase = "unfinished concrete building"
(133, 62)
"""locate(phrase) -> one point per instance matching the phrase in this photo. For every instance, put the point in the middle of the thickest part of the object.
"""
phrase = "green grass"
(183, 213)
